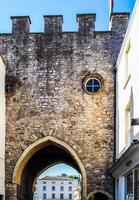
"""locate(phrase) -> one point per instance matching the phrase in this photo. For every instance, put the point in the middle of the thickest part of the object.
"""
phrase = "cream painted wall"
(57, 192)
(128, 87)
(2, 126)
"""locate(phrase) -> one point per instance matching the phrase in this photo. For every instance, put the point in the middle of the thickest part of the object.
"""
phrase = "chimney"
(20, 24)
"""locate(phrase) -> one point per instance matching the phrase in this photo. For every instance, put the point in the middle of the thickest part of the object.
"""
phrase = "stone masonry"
(47, 70)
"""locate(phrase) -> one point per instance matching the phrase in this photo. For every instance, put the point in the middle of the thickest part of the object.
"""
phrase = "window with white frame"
(127, 59)
(53, 188)
(53, 195)
(129, 186)
(61, 188)
(61, 196)
(44, 188)
(132, 185)
(44, 196)
(70, 188)
(70, 196)
(127, 123)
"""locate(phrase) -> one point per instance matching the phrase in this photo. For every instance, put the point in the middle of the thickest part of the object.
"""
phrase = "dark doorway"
(1, 197)
(100, 196)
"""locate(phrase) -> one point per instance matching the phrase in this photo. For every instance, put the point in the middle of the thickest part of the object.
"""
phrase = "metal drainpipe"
(114, 159)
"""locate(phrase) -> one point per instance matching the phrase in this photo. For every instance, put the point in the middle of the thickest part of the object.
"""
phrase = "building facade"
(57, 188)
(60, 96)
(126, 169)
(2, 130)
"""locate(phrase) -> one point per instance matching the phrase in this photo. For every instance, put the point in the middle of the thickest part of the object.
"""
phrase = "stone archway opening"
(99, 195)
(41, 155)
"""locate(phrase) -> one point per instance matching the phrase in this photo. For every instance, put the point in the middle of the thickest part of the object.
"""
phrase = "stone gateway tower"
(60, 102)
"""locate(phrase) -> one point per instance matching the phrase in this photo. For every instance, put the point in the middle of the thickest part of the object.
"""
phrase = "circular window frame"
(15, 84)
(9, 87)
(89, 77)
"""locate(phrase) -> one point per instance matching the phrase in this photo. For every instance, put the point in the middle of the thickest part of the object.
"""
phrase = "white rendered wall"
(128, 88)
(49, 184)
(2, 126)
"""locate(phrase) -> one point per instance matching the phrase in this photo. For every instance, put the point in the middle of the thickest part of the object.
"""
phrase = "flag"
(111, 5)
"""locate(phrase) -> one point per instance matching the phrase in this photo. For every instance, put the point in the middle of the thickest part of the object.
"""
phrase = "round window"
(92, 85)
(9, 87)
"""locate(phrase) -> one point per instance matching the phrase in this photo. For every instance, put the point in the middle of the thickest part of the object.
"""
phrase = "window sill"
(127, 80)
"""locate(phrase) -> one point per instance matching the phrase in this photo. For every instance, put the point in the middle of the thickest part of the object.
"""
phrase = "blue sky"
(69, 8)
(58, 170)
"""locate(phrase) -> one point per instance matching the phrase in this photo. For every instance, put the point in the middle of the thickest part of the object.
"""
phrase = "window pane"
(53, 188)
(70, 188)
(129, 186)
(44, 187)
(93, 85)
(70, 196)
(96, 82)
(90, 82)
(61, 196)
(96, 88)
(9, 87)
(44, 196)
(89, 89)
(61, 188)
(53, 195)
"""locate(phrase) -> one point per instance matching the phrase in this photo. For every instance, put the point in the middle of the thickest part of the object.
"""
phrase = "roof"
(60, 178)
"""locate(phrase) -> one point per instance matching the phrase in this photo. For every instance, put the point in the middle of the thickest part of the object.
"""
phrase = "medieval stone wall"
(48, 71)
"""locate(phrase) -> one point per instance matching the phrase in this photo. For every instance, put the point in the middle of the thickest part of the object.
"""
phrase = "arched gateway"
(60, 84)
(40, 155)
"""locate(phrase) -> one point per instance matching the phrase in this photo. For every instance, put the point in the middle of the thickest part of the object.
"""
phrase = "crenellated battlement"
(53, 23)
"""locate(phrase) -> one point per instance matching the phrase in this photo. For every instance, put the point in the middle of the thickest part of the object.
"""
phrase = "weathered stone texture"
(50, 99)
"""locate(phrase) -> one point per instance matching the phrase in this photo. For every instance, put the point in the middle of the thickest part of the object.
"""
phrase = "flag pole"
(111, 5)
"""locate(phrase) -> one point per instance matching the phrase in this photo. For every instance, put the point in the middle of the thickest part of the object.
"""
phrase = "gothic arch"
(36, 146)
(99, 191)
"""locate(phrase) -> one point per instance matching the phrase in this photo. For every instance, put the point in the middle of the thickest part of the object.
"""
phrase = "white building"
(2, 128)
(57, 188)
(126, 169)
